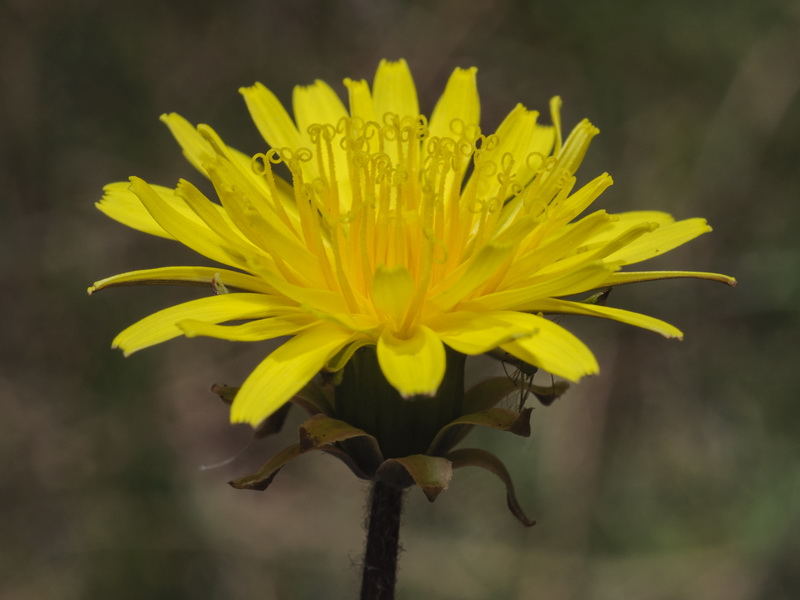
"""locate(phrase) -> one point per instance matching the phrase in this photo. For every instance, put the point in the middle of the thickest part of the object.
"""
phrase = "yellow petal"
(414, 365)
(469, 276)
(570, 281)
(199, 151)
(517, 137)
(270, 117)
(241, 170)
(580, 200)
(162, 326)
(196, 150)
(392, 289)
(475, 333)
(553, 305)
(640, 276)
(555, 116)
(284, 372)
(213, 215)
(622, 222)
(254, 331)
(393, 90)
(198, 237)
(121, 204)
(316, 103)
(575, 147)
(632, 217)
(456, 111)
(185, 275)
(322, 300)
(611, 248)
(459, 102)
(557, 180)
(557, 247)
(343, 356)
(588, 256)
(247, 210)
(361, 104)
(662, 240)
(551, 347)
(355, 322)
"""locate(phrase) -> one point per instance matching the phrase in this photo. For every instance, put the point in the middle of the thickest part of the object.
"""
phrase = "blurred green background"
(674, 474)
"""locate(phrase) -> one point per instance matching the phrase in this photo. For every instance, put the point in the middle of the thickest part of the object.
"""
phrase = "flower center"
(372, 197)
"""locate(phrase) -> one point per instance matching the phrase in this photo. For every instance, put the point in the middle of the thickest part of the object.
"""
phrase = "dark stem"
(383, 536)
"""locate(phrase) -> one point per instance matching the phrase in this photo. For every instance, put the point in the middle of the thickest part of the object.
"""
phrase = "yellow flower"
(396, 230)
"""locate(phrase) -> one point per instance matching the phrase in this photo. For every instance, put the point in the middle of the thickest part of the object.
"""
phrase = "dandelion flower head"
(391, 229)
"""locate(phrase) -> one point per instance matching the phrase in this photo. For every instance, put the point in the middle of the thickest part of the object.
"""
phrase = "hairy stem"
(383, 536)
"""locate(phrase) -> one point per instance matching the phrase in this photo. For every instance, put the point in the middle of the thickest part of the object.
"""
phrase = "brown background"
(674, 474)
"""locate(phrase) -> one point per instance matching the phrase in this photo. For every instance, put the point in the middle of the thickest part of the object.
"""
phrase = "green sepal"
(272, 424)
(600, 297)
(342, 440)
(320, 430)
(226, 393)
(341, 358)
(549, 394)
(354, 466)
(260, 481)
(313, 399)
(502, 419)
(476, 457)
(319, 433)
(488, 393)
(431, 473)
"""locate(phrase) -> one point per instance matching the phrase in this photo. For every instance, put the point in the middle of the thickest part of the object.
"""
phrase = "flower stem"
(383, 536)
